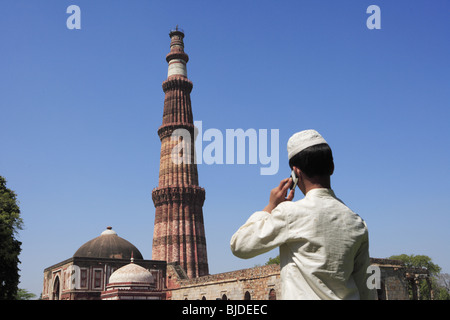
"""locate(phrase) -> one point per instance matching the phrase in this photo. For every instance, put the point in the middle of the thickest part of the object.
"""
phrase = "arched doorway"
(56, 287)
(247, 296)
(272, 294)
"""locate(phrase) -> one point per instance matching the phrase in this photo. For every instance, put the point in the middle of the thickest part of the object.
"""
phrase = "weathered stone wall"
(394, 284)
(256, 282)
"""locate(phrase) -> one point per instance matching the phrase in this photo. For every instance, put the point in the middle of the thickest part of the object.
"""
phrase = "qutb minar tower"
(179, 233)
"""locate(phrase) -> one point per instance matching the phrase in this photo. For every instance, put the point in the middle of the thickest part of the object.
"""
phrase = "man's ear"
(297, 171)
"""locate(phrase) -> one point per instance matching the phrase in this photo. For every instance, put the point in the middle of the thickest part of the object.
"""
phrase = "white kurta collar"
(320, 192)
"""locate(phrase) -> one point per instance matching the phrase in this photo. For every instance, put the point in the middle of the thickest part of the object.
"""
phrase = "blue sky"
(80, 111)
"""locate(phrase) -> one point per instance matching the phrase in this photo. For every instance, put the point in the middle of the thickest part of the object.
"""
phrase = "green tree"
(418, 261)
(23, 294)
(442, 287)
(10, 247)
(275, 260)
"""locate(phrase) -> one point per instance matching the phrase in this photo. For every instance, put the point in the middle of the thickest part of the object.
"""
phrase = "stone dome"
(131, 273)
(108, 245)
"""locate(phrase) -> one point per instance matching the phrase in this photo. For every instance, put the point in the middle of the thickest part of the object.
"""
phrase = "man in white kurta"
(323, 245)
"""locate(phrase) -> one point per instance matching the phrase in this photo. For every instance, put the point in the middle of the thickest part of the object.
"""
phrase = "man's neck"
(316, 183)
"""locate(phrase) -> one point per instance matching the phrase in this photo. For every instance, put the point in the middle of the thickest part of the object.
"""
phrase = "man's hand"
(278, 194)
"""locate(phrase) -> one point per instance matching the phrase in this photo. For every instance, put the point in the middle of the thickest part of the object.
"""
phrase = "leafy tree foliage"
(275, 260)
(10, 223)
(443, 287)
(23, 294)
(418, 261)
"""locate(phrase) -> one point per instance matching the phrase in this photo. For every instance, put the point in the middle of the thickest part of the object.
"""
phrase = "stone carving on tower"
(179, 233)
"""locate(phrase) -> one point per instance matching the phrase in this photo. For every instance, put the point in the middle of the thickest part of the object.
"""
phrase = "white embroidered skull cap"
(302, 140)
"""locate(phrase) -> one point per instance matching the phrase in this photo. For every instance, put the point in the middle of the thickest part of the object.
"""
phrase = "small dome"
(108, 230)
(108, 245)
(131, 273)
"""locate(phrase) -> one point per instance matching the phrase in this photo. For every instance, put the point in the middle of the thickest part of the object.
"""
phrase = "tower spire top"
(177, 58)
(177, 30)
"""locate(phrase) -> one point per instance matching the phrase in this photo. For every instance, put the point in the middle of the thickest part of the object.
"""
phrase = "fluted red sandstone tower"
(179, 234)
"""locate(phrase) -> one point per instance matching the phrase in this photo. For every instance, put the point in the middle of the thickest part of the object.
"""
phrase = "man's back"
(323, 246)
(325, 255)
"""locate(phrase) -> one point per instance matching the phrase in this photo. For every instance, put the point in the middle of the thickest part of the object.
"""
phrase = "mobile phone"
(294, 180)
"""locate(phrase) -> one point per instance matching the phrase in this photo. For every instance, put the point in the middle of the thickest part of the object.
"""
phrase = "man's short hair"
(314, 161)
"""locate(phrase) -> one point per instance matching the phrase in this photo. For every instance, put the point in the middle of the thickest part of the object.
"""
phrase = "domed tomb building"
(132, 282)
(87, 273)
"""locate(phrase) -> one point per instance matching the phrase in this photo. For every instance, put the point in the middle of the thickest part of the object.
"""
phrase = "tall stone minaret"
(179, 233)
